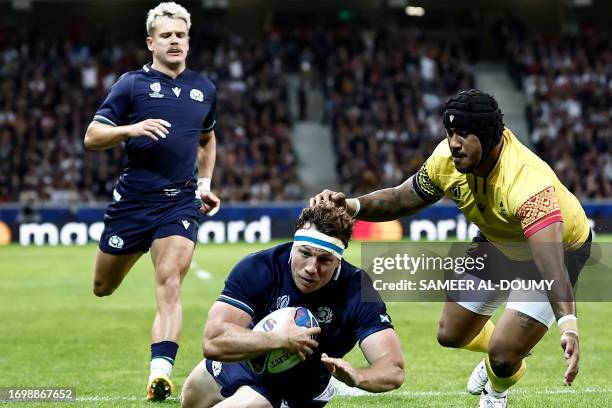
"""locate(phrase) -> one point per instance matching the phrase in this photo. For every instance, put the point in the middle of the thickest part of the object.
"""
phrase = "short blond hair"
(168, 9)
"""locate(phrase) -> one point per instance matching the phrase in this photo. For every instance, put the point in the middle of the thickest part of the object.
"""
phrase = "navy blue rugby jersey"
(262, 282)
(162, 168)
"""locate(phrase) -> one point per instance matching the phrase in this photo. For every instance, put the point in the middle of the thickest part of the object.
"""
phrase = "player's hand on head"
(571, 353)
(210, 203)
(154, 128)
(341, 369)
(336, 198)
(298, 340)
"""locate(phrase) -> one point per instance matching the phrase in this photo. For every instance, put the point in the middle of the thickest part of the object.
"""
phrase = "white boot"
(492, 399)
(478, 379)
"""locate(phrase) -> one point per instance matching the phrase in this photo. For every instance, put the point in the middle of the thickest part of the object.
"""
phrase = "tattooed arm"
(381, 205)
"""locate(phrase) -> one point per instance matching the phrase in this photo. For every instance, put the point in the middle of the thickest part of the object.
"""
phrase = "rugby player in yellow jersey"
(512, 196)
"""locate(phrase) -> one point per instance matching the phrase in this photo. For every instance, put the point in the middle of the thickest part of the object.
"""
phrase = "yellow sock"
(481, 341)
(500, 384)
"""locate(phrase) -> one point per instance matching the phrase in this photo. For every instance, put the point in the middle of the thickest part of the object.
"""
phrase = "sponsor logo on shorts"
(385, 318)
(115, 241)
(186, 224)
(216, 368)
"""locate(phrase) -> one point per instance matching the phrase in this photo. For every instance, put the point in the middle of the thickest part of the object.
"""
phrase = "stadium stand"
(255, 158)
(384, 93)
(568, 80)
(51, 87)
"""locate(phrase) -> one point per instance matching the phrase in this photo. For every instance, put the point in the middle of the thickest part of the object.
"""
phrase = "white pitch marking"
(201, 274)
(354, 392)
(125, 398)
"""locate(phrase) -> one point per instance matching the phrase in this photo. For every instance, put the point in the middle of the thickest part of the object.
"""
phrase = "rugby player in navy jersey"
(165, 115)
(308, 272)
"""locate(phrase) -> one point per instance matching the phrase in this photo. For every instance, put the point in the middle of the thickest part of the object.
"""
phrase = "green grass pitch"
(56, 333)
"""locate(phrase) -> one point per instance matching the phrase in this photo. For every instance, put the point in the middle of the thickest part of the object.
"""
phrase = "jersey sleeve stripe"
(235, 302)
(539, 211)
(211, 127)
(543, 223)
(102, 119)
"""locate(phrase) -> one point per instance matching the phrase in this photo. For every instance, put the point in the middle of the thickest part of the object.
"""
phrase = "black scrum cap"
(475, 112)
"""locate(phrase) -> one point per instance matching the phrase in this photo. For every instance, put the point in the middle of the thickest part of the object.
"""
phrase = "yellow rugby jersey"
(519, 197)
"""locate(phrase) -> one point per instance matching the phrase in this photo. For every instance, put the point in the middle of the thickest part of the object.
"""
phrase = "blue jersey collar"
(152, 71)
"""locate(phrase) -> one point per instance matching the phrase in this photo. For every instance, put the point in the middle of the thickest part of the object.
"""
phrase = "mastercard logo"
(378, 231)
(5, 234)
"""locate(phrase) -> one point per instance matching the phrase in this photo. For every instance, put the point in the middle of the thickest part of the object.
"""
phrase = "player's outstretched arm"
(547, 250)
(226, 337)
(386, 370)
(100, 136)
(381, 205)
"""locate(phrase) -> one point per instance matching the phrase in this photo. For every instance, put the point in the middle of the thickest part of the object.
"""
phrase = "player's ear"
(150, 43)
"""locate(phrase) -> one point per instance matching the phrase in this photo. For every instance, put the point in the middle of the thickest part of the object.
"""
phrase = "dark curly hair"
(475, 112)
(328, 219)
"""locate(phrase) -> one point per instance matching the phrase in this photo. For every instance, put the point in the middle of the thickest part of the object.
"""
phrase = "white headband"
(317, 239)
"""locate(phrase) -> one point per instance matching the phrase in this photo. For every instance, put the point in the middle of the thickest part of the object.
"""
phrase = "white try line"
(118, 398)
(345, 391)
(465, 393)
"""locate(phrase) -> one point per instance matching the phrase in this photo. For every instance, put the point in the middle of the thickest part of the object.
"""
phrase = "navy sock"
(164, 349)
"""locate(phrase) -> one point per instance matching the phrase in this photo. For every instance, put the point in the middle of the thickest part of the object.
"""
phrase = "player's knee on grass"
(200, 389)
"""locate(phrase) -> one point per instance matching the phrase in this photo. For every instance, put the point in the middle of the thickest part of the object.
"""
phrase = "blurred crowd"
(385, 92)
(255, 157)
(383, 89)
(50, 89)
(568, 81)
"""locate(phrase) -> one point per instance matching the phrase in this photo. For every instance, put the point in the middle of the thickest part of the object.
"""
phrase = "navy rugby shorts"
(231, 376)
(131, 226)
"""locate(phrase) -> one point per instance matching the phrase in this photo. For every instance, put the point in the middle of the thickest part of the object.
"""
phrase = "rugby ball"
(278, 361)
